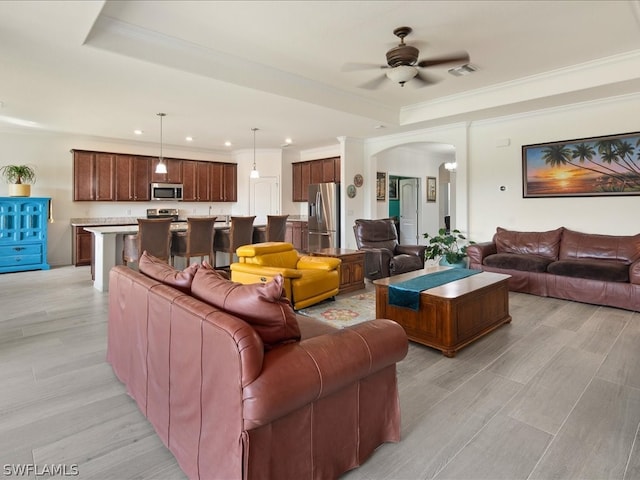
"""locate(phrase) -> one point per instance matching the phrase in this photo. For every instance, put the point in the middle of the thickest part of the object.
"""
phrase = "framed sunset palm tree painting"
(596, 166)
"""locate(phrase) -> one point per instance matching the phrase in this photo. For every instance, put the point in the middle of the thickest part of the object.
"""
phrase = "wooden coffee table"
(452, 315)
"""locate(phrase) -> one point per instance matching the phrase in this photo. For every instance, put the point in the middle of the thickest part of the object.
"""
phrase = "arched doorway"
(421, 161)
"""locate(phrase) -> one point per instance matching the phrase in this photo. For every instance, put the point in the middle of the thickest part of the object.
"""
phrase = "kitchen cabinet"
(82, 246)
(189, 184)
(125, 177)
(132, 178)
(297, 233)
(174, 171)
(93, 174)
(325, 170)
(230, 171)
(316, 172)
(203, 181)
(23, 233)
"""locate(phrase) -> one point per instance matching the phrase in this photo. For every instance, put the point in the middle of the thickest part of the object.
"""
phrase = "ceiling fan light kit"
(402, 74)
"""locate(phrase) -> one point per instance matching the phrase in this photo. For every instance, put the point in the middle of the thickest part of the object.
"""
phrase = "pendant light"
(254, 171)
(161, 167)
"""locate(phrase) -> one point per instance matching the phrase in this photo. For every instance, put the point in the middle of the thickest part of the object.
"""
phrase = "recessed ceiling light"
(288, 140)
(189, 139)
(138, 132)
(465, 69)
(227, 143)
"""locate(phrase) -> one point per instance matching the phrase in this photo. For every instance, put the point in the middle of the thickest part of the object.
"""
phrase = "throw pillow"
(163, 272)
(262, 305)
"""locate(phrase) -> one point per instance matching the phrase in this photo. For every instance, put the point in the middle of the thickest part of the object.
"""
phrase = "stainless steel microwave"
(166, 191)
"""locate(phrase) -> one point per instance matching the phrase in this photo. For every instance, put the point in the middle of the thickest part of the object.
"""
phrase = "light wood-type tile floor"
(555, 394)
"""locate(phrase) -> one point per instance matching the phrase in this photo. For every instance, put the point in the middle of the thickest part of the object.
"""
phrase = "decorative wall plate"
(358, 180)
(351, 191)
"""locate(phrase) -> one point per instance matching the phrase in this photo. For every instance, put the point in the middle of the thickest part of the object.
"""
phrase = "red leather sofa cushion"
(604, 270)
(545, 244)
(577, 245)
(163, 272)
(262, 305)
(518, 261)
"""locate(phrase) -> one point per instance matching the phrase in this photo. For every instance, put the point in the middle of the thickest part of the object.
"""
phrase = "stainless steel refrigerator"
(324, 216)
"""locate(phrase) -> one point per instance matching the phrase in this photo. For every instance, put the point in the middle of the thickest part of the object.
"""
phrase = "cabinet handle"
(18, 249)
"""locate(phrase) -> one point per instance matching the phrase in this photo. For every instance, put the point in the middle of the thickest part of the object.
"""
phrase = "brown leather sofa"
(228, 398)
(562, 263)
(384, 256)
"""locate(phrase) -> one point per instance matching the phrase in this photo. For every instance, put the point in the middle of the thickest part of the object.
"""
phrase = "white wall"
(51, 156)
(492, 165)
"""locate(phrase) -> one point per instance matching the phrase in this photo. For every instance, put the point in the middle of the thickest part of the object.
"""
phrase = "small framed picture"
(381, 186)
(393, 189)
(431, 189)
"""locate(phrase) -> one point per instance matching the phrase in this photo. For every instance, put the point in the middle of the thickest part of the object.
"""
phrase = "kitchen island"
(108, 245)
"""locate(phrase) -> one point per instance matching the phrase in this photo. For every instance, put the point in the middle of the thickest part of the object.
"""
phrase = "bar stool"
(197, 241)
(276, 228)
(154, 236)
(240, 232)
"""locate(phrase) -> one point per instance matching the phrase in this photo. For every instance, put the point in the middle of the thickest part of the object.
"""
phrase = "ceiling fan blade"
(355, 66)
(423, 79)
(374, 83)
(461, 57)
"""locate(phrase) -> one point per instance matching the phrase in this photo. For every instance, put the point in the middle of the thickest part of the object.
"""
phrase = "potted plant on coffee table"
(19, 178)
(450, 248)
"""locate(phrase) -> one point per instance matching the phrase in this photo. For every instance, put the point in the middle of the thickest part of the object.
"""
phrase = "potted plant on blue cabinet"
(19, 178)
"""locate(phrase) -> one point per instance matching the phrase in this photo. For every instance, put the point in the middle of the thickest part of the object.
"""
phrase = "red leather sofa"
(562, 263)
(230, 406)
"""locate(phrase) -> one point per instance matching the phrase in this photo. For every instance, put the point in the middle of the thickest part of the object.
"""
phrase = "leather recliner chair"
(384, 256)
(307, 280)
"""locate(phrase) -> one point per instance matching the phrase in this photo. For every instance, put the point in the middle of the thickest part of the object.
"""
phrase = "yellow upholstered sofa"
(307, 280)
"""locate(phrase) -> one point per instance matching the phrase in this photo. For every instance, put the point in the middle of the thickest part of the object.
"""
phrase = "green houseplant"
(19, 178)
(447, 247)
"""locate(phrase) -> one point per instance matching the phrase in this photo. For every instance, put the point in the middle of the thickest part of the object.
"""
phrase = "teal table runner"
(407, 294)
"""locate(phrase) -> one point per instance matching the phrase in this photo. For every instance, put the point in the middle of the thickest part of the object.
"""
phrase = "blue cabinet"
(23, 233)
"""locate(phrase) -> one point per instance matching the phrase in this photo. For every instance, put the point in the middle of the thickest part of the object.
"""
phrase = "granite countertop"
(298, 218)
(99, 221)
(108, 221)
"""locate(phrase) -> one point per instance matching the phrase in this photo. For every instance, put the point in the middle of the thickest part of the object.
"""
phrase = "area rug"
(346, 311)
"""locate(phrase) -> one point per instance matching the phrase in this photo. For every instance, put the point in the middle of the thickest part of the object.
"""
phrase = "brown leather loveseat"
(248, 389)
(562, 263)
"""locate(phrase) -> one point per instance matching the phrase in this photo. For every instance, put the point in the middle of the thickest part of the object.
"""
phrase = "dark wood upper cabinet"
(203, 181)
(93, 176)
(189, 185)
(84, 176)
(123, 177)
(316, 172)
(132, 178)
(325, 170)
(174, 171)
(230, 181)
(217, 182)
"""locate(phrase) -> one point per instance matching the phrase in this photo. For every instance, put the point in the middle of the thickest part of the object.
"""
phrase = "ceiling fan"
(403, 65)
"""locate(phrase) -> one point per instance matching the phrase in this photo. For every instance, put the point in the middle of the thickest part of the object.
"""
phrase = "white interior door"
(264, 198)
(408, 195)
